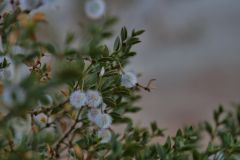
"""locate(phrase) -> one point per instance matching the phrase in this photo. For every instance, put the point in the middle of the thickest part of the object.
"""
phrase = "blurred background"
(190, 46)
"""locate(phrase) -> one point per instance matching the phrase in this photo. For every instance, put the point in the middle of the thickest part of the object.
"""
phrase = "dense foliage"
(62, 102)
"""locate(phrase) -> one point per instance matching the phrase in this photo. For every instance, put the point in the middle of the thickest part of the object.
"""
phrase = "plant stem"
(67, 133)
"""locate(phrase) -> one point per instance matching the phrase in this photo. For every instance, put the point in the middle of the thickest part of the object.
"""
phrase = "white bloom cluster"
(7, 72)
(13, 95)
(95, 8)
(93, 99)
(103, 121)
(128, 79)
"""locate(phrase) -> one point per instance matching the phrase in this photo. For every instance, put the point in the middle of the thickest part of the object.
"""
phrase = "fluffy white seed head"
(103, 120)
(93, 113)
(13, 95)
(6, 73)
(128, 79)
(78, 99)
(95, 8)
(105, 135)
(94, 99)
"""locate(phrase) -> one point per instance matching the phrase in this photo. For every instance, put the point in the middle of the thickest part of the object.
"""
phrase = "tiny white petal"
(105, 135)
(78, 99)
(102, 72)
(93, 113)
(94, 99)
(13, 95)
(95, 8)
(128, 79)
(103, 120)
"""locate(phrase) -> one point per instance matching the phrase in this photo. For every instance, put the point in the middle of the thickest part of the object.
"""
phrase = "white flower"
(7, 72)
(78, 99)
(105, 135)
(217, 156)
(95, 8)
(103, 120)
(128, 79)
(93, 113)
(94, 99)
(42, 119)
(13, 95)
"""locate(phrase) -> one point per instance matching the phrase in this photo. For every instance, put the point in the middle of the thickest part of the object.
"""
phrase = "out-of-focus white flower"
(102, 72)
(21, 129)
(78, 99)
(13, 95)
(6, 73)
(103, 120)
(105, 135)
(94, 99)
(218, 156)
(128, 79)
(29, 4)
(33, 4)
(42, 119)
(21, 71)
(95, 8)
(93, 113)
(16, 49)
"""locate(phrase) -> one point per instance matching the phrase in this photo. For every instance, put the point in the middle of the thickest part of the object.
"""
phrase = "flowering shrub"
(65, 107)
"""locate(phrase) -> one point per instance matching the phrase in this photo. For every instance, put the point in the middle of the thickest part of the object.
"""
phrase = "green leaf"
(124, 34)
(117, 44)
